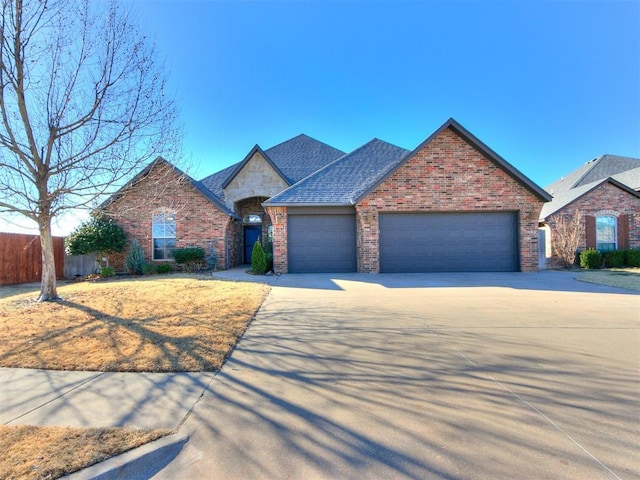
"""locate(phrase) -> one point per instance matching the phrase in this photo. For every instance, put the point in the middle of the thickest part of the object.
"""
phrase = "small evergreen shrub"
(269, 258)
(258, 260)
(190, 257)
(149, 268)
(590, 259)
(613, 259)
(163, 268)
(632, 257)
(107, 272)
(134, 261)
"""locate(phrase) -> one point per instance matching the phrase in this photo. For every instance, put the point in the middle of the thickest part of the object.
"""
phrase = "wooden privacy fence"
(21, 258)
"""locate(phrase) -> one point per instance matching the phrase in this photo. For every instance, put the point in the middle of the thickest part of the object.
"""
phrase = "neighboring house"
(605, 193)
(451, 204)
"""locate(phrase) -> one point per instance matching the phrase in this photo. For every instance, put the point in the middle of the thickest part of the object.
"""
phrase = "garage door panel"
(448, 242)
(320, 243)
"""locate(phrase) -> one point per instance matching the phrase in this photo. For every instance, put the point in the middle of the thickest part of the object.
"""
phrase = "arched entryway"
(255, 224)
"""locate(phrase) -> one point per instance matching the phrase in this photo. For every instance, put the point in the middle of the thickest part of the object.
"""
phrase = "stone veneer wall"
(256, 179)
(448, 175)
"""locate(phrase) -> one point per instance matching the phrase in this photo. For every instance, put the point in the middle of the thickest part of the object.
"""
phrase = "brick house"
(451, 204)
(605, 194)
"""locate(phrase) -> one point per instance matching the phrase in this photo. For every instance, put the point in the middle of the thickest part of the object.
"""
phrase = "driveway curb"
(140, 463)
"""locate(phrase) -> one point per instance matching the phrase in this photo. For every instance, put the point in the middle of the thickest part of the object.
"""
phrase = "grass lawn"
(628, 278)
(171, 323)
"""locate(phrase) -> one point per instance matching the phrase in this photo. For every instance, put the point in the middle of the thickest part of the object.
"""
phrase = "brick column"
(280, 252)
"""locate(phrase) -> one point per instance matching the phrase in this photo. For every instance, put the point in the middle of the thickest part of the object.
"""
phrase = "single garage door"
(322, 243)
(448, 242)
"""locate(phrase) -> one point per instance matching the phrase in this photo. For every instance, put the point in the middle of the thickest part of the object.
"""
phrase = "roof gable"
(159, 161)
(247, 159)
(566, 198)
(478, 145)
(344, 180)
(599, 168)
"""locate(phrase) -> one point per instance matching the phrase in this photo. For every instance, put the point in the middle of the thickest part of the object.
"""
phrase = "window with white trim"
(164, 235)
(606, 233)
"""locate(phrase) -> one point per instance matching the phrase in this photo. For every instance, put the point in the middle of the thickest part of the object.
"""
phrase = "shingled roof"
(623, 172)
(293, 159)
(344, 180)
(599, 168)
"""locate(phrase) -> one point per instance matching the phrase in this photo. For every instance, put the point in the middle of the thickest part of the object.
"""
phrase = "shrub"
(269, 258)
(212, 258)
(258, 260)
(632, 257)
(107, 272)
(149, 268)
(163, 268)
(191, 257)
(134, 261)
(99, 235)
(614, 258)
(590, 259)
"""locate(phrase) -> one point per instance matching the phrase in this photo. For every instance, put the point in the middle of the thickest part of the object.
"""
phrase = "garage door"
(321, 243)
(448, 242)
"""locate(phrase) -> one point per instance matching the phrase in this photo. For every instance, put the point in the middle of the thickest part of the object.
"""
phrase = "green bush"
(258, 260)
(189, 256)
(163, 268)
(107, 272)
(149, 268)
(269, 258)
(590, 259)
(134, 261)
(632, 257)
(613, 259)
(100, 235)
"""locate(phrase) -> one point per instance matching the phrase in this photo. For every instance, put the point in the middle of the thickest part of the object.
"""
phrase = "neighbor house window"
(606, 233)
(164, 236)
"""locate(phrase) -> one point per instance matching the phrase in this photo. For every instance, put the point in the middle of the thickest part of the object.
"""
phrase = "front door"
(251, 235)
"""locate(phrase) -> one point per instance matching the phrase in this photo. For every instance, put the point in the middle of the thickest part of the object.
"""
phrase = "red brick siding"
(278, 217)
(198, 221)
(448, 175)
(606, 199)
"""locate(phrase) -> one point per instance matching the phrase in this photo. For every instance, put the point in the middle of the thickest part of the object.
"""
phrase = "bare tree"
(566, 238)
(82, 107)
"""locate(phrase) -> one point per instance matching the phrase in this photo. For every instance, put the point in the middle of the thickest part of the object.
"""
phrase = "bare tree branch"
(82, 108)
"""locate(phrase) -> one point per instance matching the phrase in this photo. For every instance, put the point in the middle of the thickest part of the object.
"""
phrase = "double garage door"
(448, 242)
(416, 242)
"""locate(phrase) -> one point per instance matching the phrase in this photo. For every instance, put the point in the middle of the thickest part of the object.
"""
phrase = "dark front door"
(251, 236)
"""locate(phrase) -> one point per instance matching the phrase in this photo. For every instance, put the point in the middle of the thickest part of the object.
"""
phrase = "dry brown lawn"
(35, 453)
(628, 278)
(151, 324)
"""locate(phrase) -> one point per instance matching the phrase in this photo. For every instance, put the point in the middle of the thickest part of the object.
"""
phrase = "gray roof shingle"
(597, 169)
(300, 156)
(344, 180)
(621, 171)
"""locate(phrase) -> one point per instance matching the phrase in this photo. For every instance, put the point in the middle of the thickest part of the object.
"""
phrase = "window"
(606, 233)
(253, 218)
(164, 236)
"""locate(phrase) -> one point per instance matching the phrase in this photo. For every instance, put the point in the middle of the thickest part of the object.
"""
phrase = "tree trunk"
(48, 290)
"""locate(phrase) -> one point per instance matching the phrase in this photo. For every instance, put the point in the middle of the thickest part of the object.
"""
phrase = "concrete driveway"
(457, 376)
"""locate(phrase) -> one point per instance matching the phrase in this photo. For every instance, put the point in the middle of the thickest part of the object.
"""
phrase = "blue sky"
(548, 85)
